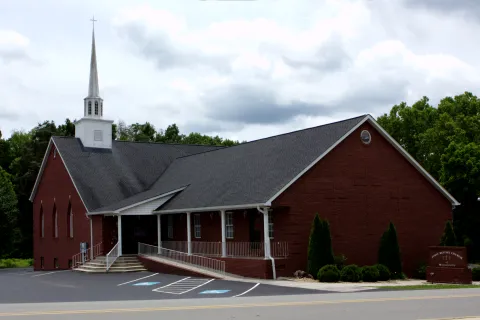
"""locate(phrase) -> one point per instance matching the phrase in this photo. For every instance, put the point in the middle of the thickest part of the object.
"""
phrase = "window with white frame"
(197, 227)
(170, 227)
(270, 225)
(229, 225)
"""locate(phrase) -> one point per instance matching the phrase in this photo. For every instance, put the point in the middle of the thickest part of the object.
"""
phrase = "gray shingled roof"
(201, 176)
(106, 179)
(250, 173)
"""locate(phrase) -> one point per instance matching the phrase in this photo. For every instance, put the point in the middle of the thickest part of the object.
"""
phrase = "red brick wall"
(449, 275)
(250, 268)
(110, 233)
(56, 189)
(211, 229)
(359, 189)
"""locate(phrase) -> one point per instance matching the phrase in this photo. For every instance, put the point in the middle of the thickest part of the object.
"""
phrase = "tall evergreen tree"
(448, 237)
(326, 253)
(314, 247)
(8, 215)
(389, 251)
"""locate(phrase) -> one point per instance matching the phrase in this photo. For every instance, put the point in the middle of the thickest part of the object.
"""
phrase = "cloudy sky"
(241, 69)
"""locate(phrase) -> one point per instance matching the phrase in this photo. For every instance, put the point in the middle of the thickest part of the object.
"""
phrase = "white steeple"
(93, 102)
(92, 129)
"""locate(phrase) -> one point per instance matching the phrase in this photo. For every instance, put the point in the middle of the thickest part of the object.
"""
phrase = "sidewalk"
(343, 286)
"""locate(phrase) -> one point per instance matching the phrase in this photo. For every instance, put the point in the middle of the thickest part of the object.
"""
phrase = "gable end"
(392, 141)
(42, 169)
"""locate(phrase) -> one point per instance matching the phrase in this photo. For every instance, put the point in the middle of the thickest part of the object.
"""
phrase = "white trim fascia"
(40, 172)
(95, 119)
(218, 208)
(389, 138)
(413, 162)
(71, 178)
(276, 195)
(119, 211)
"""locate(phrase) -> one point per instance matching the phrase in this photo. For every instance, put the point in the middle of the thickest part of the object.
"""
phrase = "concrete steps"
(122, 264)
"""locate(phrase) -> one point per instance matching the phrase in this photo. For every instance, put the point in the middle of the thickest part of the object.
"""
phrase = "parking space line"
(44, 274)
(168, 285)
(198, 286)
(183, 285)
(241, 294)
(121, 284)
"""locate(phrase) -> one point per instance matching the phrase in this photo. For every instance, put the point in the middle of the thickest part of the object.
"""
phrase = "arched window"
(89, 107)
(55, 222)
(70, 221)
(101, 109)
(42, 223)
(96, 108)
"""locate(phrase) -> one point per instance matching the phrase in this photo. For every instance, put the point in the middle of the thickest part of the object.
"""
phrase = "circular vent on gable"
(365, 137)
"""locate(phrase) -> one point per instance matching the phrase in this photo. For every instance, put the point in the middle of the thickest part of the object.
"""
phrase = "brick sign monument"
(448, 265)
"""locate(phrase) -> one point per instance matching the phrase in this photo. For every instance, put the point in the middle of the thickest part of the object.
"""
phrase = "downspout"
(269, 255)
(91, 238)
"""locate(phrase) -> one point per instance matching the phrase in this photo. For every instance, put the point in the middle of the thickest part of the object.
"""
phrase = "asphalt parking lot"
(27, 286)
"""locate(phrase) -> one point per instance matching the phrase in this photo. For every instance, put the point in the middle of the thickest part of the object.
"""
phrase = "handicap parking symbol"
(214, 291)
(146, 283)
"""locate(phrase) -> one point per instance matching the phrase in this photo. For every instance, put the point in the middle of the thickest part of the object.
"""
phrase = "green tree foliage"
(320, 252)
(314, 247)
(21, 156)
(326, 253)
(351, 273)
(389, 251)
(446, 141)
(147, 133)
(8, 215)
(384, 273)
(448, 238)
(370, 274)
(328, 273)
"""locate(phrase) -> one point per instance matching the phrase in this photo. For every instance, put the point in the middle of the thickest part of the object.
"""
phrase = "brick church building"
(250, 206)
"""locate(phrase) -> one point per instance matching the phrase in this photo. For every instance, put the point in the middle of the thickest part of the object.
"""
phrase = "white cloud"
(243, 70)
(13, 46)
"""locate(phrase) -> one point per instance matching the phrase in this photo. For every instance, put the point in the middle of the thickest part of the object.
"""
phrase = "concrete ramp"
(164, 265)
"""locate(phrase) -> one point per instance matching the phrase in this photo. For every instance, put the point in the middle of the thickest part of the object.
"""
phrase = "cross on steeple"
(93, 102)
(93, 22)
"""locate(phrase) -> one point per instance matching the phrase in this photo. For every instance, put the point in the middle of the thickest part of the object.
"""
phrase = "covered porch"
(245, 233)
(206, 237)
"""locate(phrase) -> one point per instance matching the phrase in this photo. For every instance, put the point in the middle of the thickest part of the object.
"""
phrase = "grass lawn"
(15, 263)
(431, 286)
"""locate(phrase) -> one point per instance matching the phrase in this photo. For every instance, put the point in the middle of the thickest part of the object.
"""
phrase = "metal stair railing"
(81, 258)
(182, 257)
(111, 257)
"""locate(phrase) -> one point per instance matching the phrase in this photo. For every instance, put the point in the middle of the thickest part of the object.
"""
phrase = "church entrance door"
(137, 229)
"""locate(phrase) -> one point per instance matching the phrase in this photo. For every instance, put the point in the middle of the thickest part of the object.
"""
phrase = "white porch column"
(266, 236)
(159, 232)
(91, 238)
(224, 236)
(119, 232)
(189, 233)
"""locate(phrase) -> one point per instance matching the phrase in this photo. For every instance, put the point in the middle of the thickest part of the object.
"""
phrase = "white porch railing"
(234, 249)
(111, 256)
(80, 258)
(194, 260)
